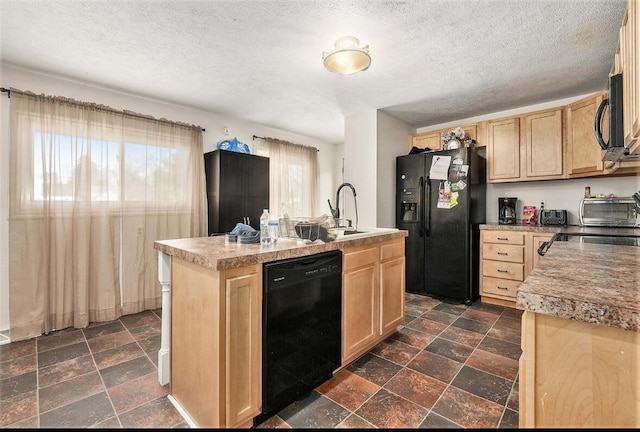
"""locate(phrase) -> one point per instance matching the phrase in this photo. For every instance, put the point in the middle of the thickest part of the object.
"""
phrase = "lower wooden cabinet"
(373, 293)
(575, 374)
(216, 343)
(506, 259)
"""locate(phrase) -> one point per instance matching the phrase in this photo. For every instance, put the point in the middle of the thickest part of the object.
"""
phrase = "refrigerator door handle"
(421, 207)
(427, 207)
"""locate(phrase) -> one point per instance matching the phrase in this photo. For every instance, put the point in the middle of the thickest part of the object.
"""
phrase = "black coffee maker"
(507, 211)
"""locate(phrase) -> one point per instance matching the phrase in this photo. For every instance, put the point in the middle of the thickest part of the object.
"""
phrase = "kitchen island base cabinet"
(373, 291)
(578, 375)
(216, 343)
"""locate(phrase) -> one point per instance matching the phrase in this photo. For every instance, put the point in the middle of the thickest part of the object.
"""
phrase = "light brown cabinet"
(506, 259)
(628, 49)
(216, 343)
(373, 290)
(575, 374)
(433, 139)
(525, 148)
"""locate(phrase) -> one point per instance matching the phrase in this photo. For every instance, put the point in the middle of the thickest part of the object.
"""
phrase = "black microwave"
(614, 145)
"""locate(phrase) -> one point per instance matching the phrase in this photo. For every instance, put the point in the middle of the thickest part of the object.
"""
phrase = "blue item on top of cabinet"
(233, 145)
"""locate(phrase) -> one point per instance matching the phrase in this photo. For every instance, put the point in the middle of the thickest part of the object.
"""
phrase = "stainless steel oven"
(609, 212)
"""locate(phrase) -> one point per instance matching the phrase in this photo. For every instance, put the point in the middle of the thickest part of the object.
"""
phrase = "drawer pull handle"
(502, 288)
(503, 253)
(503, 271)
(503, 238)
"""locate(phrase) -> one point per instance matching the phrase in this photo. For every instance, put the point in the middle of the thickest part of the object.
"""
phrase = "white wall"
(212, 122)
(392, 141)
(557, 194)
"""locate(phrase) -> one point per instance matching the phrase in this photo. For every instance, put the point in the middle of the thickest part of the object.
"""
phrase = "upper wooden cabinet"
(583, 155)
(432, 139)
(524, 148)
(628, 65)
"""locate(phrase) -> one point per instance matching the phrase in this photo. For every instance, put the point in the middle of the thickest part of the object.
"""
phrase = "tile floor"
(449, 365)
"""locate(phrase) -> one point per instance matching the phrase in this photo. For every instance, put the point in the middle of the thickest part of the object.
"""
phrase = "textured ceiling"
(433, 60)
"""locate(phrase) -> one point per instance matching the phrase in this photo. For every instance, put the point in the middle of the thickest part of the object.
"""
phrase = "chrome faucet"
(336, 212)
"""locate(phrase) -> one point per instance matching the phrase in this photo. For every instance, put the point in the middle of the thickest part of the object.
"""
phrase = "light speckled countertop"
(215, 253)
(570, 229)
(593, 283)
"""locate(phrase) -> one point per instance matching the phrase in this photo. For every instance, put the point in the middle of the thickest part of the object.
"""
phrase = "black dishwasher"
(301, 329)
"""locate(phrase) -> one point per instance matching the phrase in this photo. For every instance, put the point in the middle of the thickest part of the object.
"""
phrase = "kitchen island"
(581, 338)
(211, 347)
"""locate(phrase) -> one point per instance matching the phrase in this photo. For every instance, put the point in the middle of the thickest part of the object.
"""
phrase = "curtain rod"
(8, 92)
(299, 145)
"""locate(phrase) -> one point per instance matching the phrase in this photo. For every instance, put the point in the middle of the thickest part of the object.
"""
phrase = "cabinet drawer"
(503, 270)
(501, 287)
(360, 258)
(505, 237)
(392, 250)
(503, 252)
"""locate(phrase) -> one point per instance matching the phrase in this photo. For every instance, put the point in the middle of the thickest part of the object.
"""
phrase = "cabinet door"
(503, 150)
(359, 301)
(584, 155)
(634, 52)
(542, 140)
(535, 241)
(243, 331)
(392, 288)
(430, 140)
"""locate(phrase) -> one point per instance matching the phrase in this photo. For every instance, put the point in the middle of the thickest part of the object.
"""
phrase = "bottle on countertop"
(265, 237)
(274, 228)
(541, 212)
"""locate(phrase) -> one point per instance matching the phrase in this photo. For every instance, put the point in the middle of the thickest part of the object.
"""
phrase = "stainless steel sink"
(353, 232)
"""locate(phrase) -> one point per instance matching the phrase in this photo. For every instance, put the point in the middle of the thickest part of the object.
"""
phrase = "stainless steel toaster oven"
(617, 212)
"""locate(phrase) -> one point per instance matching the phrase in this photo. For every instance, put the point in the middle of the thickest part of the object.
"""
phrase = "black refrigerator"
(441, 201)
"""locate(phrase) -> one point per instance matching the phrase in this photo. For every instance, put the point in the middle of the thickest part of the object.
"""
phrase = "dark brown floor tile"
(313, 411)
(117, 355)
(387, 410)
(126, 371)
(395, 351)
(505, 334)
(435, 366)
(483, 384)
(354, 422)
(448, 349)
(19, 384)
(494, 364)
(62, 354)
(108, 341)
(30, 423)
(427, 326)
(158, 413)
(464, 337)
(80, 414)
(348, 389)
(415, 310)
(418, 388)
(482, 316)
(407, 319)
(514, 398)
(510, 420)
(472, 325)
(374, 368)
(17, 366)
(63, 371)
(512, 313)
(415, 338)
(18, 408)
(273, 422)
(69, 391)
(131, 394)
(100, 329)
(59, 339)
(439, 316)
(146, 331)
(500, 347)
(151, 346)
(450, 308)
(435, 421)
(509, 323)
(110, 423)
(17, 349)
(488, 307)
(139, 319)
(468, 410)
(423, 301)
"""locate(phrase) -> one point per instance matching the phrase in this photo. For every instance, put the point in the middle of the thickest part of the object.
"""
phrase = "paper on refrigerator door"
(440, 167)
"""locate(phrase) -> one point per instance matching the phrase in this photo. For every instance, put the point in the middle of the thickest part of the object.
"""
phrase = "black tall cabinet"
(237, 189)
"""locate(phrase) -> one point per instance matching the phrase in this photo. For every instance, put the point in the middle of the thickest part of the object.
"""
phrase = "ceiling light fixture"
(348, 58)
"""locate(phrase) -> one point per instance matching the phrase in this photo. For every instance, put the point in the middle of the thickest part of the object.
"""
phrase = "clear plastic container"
(265, 235)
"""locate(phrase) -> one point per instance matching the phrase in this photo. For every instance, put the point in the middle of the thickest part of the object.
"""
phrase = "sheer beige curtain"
(293, 178)
(91, 189)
